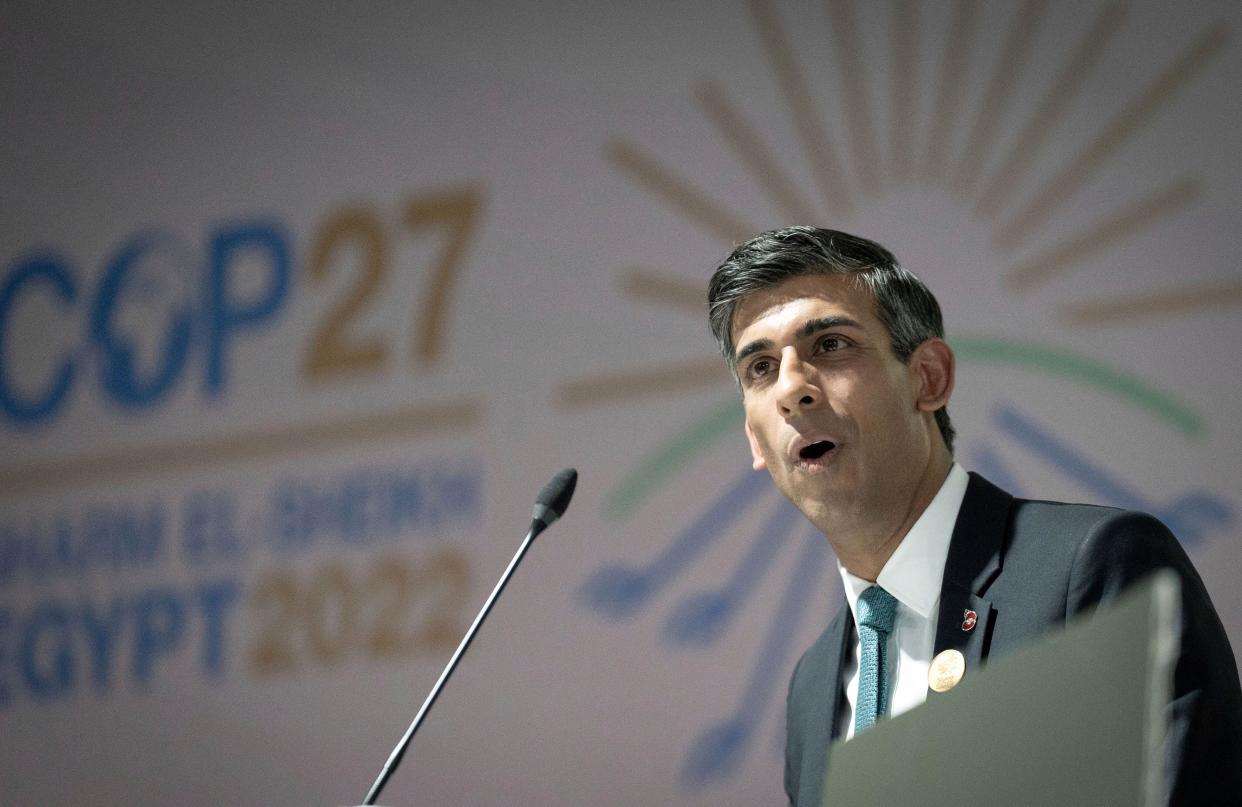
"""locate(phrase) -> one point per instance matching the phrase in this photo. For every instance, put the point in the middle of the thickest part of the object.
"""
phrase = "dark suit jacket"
(1026, 567)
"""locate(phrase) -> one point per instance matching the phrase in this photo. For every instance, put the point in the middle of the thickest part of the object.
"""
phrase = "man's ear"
(934, 369)
(756, 455)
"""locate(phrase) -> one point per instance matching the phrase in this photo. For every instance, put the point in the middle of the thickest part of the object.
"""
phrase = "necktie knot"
(877, 609)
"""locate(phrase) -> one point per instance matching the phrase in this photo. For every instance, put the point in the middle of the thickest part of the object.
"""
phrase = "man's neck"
(864, 555)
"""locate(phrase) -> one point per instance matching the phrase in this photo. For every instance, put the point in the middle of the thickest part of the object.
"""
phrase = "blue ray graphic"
(619, 591)
(701, 618)
(720, 749)
(1191, 516)
(987, 461)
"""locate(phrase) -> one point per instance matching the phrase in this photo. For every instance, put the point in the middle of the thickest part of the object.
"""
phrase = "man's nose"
(796, 389)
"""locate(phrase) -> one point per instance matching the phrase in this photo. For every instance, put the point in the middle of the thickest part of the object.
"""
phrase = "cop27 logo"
(951, 151)
(159, 303)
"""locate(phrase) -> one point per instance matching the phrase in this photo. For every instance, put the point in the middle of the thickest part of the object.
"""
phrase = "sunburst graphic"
(980, 154)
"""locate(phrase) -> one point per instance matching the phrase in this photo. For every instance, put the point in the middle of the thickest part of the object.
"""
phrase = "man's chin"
(820, 493)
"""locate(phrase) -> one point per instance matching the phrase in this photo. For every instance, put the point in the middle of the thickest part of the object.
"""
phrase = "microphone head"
(554, 498)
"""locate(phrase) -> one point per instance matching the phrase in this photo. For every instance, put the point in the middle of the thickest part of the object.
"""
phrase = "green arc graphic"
(1088, 372)
(685, 446)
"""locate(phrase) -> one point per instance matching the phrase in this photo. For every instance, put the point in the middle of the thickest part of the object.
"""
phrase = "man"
(845, 379)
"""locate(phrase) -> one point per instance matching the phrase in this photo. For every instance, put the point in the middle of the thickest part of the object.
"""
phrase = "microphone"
(551, 502)
(550, 505)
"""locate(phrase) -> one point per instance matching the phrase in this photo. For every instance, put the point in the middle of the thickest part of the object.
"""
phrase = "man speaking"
(845, 379)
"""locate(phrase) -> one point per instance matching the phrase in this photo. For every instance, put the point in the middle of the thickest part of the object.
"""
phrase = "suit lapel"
(843, 634)
(974, 561)
(814, 714)
(833, 646)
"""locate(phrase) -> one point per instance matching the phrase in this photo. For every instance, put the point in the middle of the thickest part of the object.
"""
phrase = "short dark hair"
(903, 303)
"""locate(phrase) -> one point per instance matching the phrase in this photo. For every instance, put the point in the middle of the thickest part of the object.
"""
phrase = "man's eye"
(830, 343)
(760, 367)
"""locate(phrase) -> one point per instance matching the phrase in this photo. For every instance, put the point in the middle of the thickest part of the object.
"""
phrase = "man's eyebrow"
(824, 323)
(752, 347)
(808, 328)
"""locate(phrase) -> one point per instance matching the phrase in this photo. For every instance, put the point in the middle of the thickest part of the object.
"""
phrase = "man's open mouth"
(816, 450)
(813, 457)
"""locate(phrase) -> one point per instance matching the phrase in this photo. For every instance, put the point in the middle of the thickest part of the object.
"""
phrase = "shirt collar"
(914, 571)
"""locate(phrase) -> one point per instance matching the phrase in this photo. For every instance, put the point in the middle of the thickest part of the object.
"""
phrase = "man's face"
(842, 425)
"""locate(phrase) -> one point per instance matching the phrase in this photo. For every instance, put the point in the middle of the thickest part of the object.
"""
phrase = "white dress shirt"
(913, 576)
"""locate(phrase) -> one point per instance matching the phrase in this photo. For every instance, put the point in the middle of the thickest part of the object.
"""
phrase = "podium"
(1075, 719)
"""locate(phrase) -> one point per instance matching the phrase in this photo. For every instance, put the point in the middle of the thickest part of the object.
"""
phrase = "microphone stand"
(537, 526)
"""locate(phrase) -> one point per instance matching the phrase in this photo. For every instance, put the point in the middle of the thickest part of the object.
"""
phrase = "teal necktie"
(875, 610)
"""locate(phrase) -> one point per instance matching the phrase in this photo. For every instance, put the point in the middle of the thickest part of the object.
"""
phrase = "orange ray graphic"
(862, 139)
(661, 181)
(1012, 59)
(1051, 110)
(956, 56)
(1103, 235)
(753, 154)
(1156, 305)
(648, 382)
(659, 287)
(815, 142)
(904, 87)
(1065, 183)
